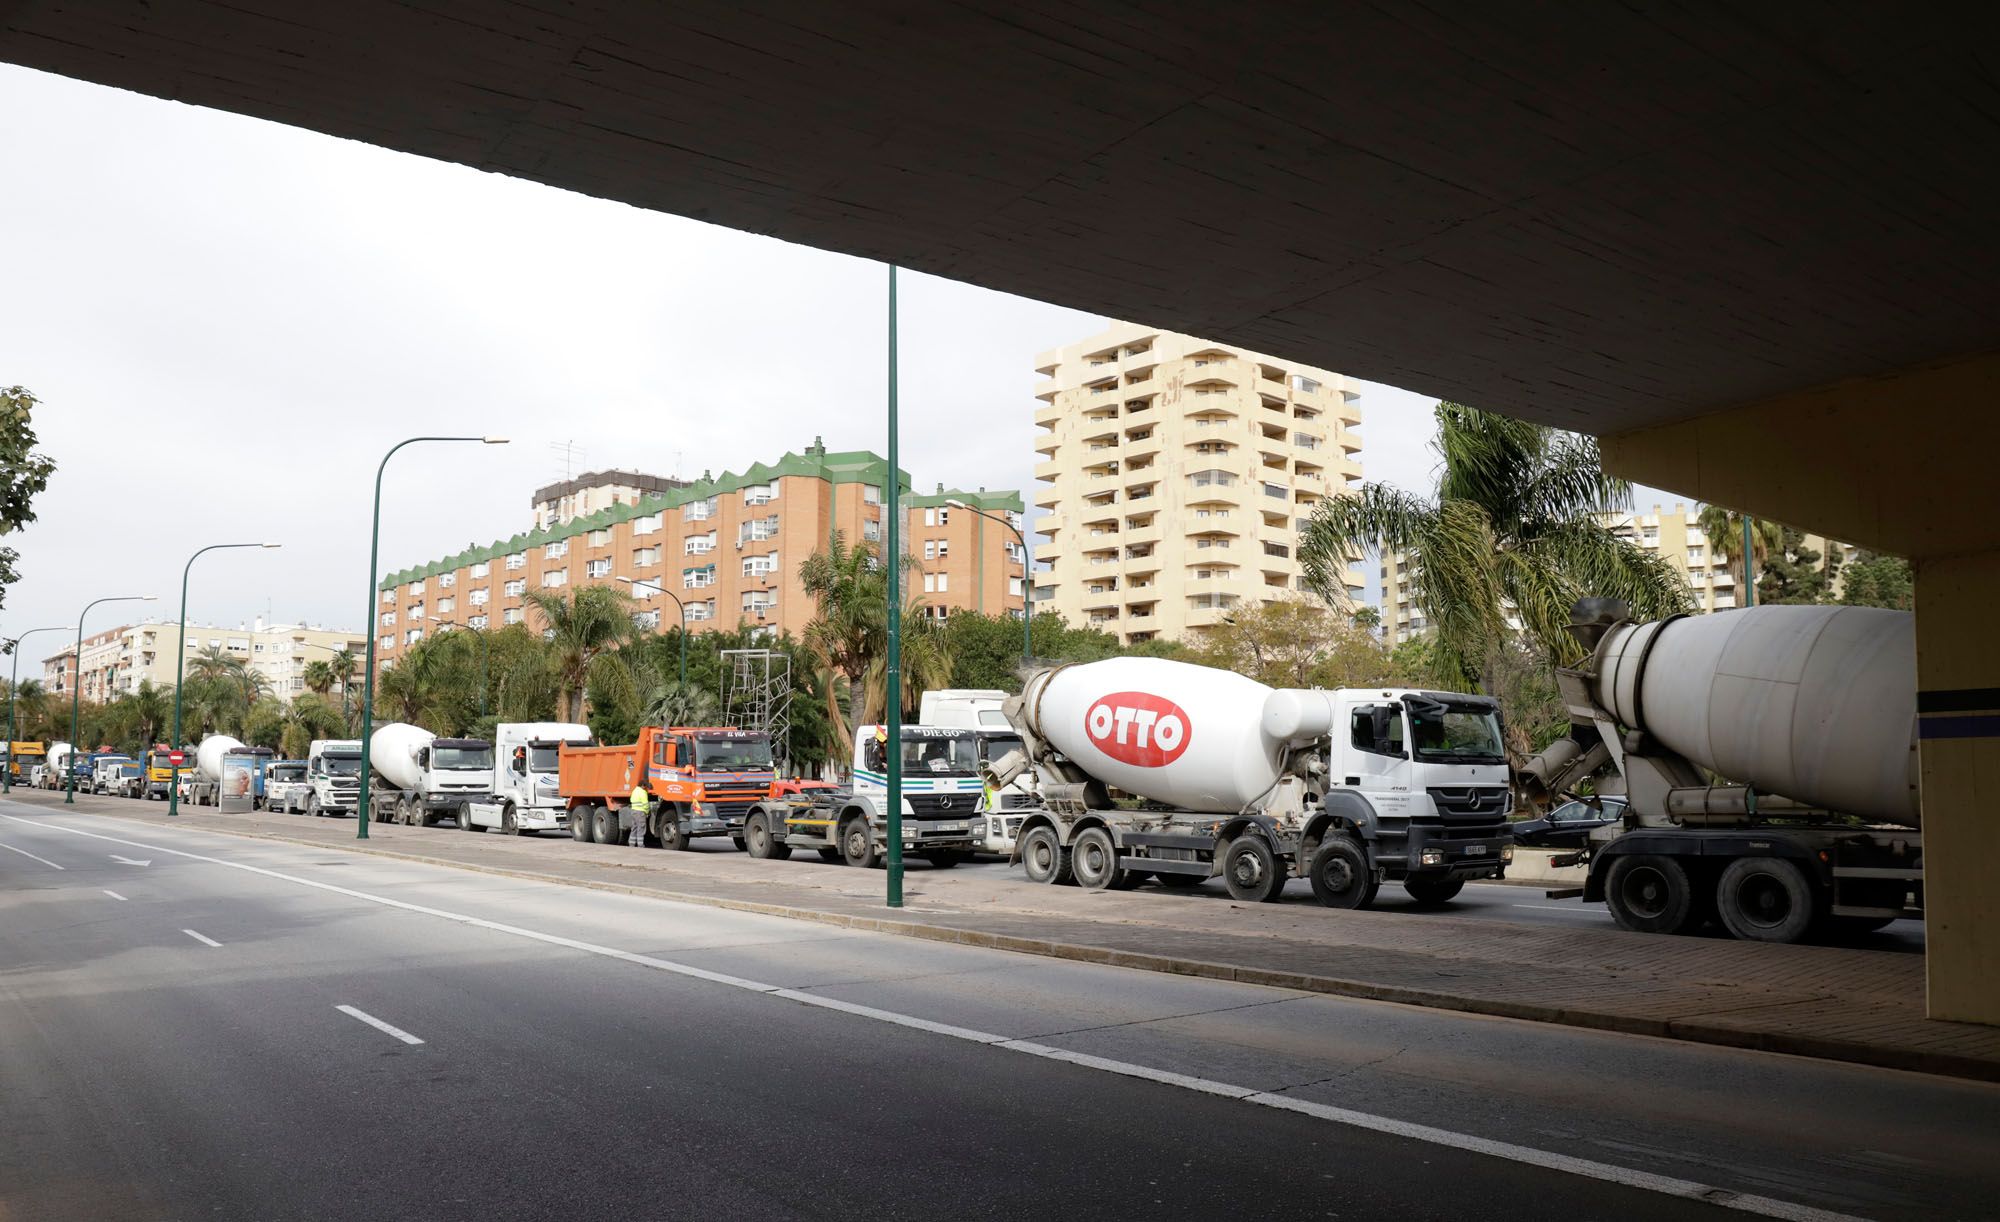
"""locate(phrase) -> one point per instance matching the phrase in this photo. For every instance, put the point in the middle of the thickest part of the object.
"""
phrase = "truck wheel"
(605, 829)
(1432, 892)
(1180, 882)
(1250, 870)
(1094, 859)
(757, 838)
(1044, 857)
(1340, 875)
(1648, 893)
(1765, 899)
(831, 856)
(312, 805)
(672, 835)
(857, 843)
(583, 823)
(510, 822)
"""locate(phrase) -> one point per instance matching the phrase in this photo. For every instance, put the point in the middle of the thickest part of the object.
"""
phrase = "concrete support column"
(1958, 702)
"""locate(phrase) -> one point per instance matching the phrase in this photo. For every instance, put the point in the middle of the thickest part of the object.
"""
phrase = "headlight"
(1506, 852)
(1433, 857)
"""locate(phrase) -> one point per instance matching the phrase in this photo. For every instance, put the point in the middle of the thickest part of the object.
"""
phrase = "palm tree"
(1515, 526)
(150, 711)
(849, 635)
(580, 629)
(1725, 535)
(925, 657)
(320, 676)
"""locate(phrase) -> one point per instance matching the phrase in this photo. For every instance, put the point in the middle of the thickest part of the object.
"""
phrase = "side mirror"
(1380, 722)
(423, 757)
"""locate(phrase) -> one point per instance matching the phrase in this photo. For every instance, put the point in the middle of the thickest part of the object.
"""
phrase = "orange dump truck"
(702, 781)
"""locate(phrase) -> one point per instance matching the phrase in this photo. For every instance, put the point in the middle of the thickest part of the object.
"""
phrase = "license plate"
(1475, 850)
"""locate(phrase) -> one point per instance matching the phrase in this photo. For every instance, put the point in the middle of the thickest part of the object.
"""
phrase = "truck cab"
(942, 794)
(526, 787)
(106, 772)
(160, 771)
(725, 769)
(980, 710)
(333, 776)
(285, 786)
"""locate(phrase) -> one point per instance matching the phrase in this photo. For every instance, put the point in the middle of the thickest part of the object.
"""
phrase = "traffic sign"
(176, 758)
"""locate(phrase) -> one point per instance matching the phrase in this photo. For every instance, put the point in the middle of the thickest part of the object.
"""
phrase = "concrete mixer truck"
(1349, 789)
(420, 778)
(1811, 715)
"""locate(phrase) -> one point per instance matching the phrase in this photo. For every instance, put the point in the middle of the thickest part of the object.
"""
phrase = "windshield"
(341, 765)
(544, 759)
(1457, 734)
(940, 757)
(461, 758)
(288, 772)
(732, 755)
(993, 746)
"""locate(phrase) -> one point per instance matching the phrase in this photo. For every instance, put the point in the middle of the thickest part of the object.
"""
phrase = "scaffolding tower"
(757, 695)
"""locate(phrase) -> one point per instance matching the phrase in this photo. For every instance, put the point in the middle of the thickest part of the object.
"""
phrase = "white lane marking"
(114, 895)
(201, 938)
(378, 1024)
(127, 861)
(1607, 1172)
(25, 853)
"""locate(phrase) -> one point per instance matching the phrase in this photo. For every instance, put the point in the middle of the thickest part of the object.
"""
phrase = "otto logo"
(1138, 728)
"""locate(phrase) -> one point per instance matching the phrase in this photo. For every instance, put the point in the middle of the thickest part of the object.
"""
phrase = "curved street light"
(180, 669)
(1027, 578)
(660, 589)
(76, 688)
(374, 610)
(13, 688)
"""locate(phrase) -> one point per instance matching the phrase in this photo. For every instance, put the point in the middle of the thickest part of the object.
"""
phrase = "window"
(388, 619)
(477, 621)
(415, 611)
(944, 548)
(760, 566)
(517, 560)
(511, 615)
(516, 588)
(556, 550)
(1302, 383)
(944, 583)
(700, 544)
(758, 602)
(871, 530)
(760, 494)
(598, 568)
(478, 597)
(388, 596)
(930, 549)
(554, 578)
(944, 516)
(483, 568)
(758, 529)
(416, 587)
(645, 557)
(413, 636)
(447, 581)
(930, 583)
(930, 517)
(447, 605)
(1014, 586)
(698, 511)
(385, 642)
(1212, 479)
(871, 494)
(645, 621)
(646, 525)
(695, 579)
(700, 611)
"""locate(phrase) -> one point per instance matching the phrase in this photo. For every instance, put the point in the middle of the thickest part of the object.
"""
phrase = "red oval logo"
(1138, 728)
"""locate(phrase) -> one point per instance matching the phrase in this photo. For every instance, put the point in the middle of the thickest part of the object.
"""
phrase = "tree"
(264, 724)
(849, 628)
(579, 629)
(925, 658)
(1724, 531)
(1514, 527)
(1872, 580)
(23, 474)
(1294, 642)
(1795, 574)
(309, 717)
(149, 710)
(320, 675)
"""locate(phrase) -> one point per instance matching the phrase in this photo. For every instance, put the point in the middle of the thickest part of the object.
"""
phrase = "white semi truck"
(527, 794)
(1348, 788)
(942, 795)
(421, 778)
(980, 710)
(1811, 714)
(285, 786)
(333, 776)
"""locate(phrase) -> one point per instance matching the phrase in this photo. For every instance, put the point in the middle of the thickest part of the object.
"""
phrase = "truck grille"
(942, 805)
(732, 808)
(1016, 801)
(1470, 803)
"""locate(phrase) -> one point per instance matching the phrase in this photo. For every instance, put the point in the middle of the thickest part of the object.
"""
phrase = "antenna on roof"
(570, 452)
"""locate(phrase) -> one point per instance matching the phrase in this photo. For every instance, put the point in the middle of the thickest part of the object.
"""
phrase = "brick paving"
(1846, 1004)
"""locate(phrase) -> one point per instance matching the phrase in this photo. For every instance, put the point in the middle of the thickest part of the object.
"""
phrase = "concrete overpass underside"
(1751, 246)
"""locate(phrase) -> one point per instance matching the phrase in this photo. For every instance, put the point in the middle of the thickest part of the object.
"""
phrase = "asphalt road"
(223, 1031)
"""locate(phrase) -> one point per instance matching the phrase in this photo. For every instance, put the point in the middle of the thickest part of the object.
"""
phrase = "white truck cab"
(333, 776)
(979, 709)
(526, 755)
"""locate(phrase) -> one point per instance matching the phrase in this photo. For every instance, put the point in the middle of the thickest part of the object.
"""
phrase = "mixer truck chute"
(1348, 788)
(1808, 712)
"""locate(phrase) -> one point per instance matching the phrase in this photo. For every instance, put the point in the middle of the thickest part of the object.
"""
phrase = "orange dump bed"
(601, 773)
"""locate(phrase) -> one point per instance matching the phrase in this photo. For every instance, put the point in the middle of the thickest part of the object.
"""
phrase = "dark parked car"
(1567, 825)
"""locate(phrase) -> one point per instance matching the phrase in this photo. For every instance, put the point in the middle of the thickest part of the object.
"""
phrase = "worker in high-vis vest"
(635, 816)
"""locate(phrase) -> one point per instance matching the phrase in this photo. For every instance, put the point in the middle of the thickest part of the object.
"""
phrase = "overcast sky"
(228, 322)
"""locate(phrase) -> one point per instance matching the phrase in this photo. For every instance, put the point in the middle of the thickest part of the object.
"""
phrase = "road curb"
(1684, 1030)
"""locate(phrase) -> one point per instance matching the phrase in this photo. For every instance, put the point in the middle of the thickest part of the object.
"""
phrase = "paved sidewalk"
(1843, 1004)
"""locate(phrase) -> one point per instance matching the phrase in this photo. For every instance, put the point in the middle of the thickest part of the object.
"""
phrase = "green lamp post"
(180, 668)
(1027, 578)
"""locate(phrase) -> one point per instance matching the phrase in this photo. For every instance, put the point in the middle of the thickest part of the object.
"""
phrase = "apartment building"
(595, 491)
(1176, 476)
(1675, 536)
(117, 660)
(727, 547)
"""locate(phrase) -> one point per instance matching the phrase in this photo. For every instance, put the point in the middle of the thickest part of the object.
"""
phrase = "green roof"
(992, 502)
(837, 467)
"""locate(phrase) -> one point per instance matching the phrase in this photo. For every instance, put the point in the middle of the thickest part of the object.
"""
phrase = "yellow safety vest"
(641, 801)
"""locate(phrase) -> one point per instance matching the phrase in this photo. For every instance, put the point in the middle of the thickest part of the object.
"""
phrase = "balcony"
(1045, 390)
(1047, 471)
(1136, 536)
(1047, 416)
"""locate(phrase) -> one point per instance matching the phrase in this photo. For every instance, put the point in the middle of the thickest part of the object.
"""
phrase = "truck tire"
(510, 821)
(671, 834)
(757, 838)
(312, 805)
(583, 823)
(1765, 899)
(1180, 882)
(604, 825)
(1433, 892)
(1340, 875)
(857, 843)
(1093, 858)
(1250, 870)
(1649, 893)
(1044, 856)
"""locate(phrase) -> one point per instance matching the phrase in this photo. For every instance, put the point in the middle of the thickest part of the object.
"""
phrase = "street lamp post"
(485, 657)
(180, 669)
(374, 610)
(1027, 580)
(660, 589)
(893, 664)
(76, 688)
(13, 689)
